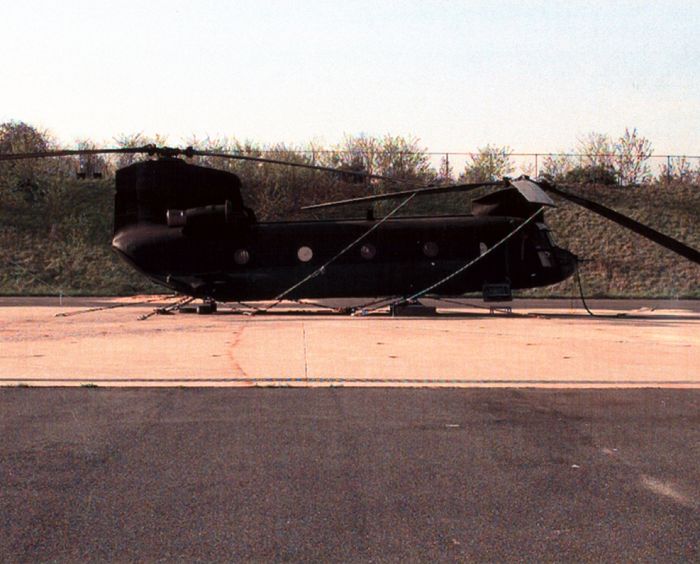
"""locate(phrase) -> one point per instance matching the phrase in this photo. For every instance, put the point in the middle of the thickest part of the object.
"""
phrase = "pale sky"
(531, 75)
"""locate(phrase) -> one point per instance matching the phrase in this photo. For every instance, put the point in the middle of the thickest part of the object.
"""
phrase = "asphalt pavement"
(349, 474)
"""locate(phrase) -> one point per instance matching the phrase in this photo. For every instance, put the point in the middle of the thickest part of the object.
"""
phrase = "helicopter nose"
(125, 246)
(120, 243)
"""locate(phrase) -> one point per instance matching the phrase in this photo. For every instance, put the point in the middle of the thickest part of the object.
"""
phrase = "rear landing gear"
(206, 307)
(412, 308)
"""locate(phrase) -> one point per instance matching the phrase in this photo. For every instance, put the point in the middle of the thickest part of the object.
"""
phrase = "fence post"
(668, 169)
(536, 170)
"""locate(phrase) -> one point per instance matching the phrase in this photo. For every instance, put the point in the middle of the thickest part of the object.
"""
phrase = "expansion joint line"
(306, 363)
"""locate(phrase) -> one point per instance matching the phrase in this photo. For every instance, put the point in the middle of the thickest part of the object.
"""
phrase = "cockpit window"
(546, 234)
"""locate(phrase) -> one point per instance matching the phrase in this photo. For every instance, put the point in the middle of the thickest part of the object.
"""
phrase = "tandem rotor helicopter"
(186, 227)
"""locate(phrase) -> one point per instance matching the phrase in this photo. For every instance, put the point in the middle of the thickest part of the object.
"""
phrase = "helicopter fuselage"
(185, 227)
(401, 257)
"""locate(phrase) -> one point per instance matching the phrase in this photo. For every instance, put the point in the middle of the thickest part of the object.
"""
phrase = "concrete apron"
(554, 346)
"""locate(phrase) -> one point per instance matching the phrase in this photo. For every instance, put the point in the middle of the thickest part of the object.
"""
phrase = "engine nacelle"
(207, 216)
(174, 193)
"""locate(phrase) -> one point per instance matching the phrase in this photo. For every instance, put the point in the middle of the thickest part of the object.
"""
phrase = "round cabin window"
(241, 256)
(305, 254)
(431, 249)
(368, 251)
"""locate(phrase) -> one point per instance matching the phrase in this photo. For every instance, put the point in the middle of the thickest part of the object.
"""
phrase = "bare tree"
(488, 164)
(557, 166)
(391, 156)
(597, 151)
(632, 151)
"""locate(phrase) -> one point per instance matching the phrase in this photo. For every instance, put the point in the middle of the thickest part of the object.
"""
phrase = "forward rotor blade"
(429, 190)
(644, 230)
(73, 152)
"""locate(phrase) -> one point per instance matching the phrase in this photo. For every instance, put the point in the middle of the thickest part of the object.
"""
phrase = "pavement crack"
(235, 365)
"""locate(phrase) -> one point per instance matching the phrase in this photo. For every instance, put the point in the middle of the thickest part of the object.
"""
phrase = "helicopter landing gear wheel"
(411, 308)
(207, 307)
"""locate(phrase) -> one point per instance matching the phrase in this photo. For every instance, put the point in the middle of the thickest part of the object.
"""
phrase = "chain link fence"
(600, 168)
(656, 167)
(591, 167)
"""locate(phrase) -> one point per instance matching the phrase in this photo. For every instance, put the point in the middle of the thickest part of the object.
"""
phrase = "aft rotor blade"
(429, 190)
(644, 230)
(73, 152)
(191, 152)
(266, 160)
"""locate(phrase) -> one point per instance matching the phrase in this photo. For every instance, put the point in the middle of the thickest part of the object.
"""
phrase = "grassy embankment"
(622, 263)
(61, 244)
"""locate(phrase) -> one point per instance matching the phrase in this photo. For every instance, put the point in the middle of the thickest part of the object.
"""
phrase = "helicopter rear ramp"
(545, 343)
